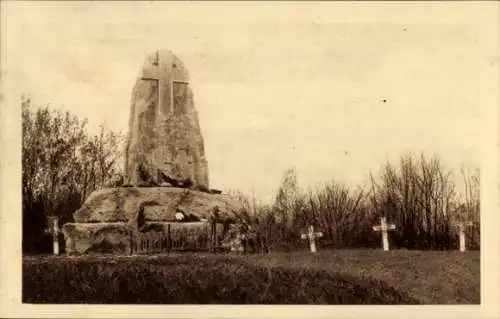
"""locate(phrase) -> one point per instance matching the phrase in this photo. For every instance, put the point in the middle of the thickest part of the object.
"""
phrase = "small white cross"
(461, 228)
(54, 230)
(384, 228)
(311, 235)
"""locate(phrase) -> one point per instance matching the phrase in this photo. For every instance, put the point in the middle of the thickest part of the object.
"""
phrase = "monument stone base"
(110, 218)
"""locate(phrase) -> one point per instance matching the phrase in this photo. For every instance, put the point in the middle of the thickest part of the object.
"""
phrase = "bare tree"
(61, 164)
(338, 211)
(470, 207)
(419, 197)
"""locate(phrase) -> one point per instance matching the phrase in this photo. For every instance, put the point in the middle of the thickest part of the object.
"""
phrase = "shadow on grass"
(194, 280)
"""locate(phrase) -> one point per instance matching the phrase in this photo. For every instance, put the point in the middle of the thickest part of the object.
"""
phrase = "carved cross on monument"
(384, 228)
(461, 228)
(156, 74)
(311, 235)
(159, 73)
(54, 230)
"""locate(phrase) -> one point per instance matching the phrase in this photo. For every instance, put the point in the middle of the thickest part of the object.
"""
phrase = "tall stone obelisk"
(164, 145)
(164, 138)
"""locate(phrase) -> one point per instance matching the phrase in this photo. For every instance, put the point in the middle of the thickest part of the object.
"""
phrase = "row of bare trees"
(61, 165)
(421, 198)
(419, 195)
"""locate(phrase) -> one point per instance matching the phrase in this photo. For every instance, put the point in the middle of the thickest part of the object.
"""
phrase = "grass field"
(329, 277)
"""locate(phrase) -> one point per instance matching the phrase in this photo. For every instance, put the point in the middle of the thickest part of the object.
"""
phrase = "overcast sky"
(333, 90)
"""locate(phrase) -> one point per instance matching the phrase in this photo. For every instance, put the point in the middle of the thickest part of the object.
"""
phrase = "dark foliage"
(61, 165)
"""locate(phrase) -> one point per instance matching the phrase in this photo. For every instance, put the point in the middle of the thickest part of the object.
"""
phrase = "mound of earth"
(188, 279)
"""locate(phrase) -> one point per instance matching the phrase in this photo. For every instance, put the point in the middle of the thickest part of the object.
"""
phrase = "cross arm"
(180, 81)
(151, 74)
(463, 224)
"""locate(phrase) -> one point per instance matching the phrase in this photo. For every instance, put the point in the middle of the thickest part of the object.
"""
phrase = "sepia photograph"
(249, 153)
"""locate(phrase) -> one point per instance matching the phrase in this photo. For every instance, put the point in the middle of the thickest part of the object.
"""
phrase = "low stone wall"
(117, 237)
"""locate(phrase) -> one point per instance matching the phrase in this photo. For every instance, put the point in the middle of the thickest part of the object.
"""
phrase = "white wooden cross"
(159, 74)
(54, 230)
(461, 228)
(384, 228)
(311, 235)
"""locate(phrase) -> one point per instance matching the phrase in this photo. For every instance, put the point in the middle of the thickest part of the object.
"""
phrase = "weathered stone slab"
(123, 204)
(97, 238)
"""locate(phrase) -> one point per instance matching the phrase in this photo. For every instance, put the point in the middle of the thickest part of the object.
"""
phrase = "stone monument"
(165, 144)
(166, 171)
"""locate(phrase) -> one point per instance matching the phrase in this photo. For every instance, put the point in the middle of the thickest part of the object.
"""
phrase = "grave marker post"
(311, 235)
(461, 228)
(384, 228)
(53, 229)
